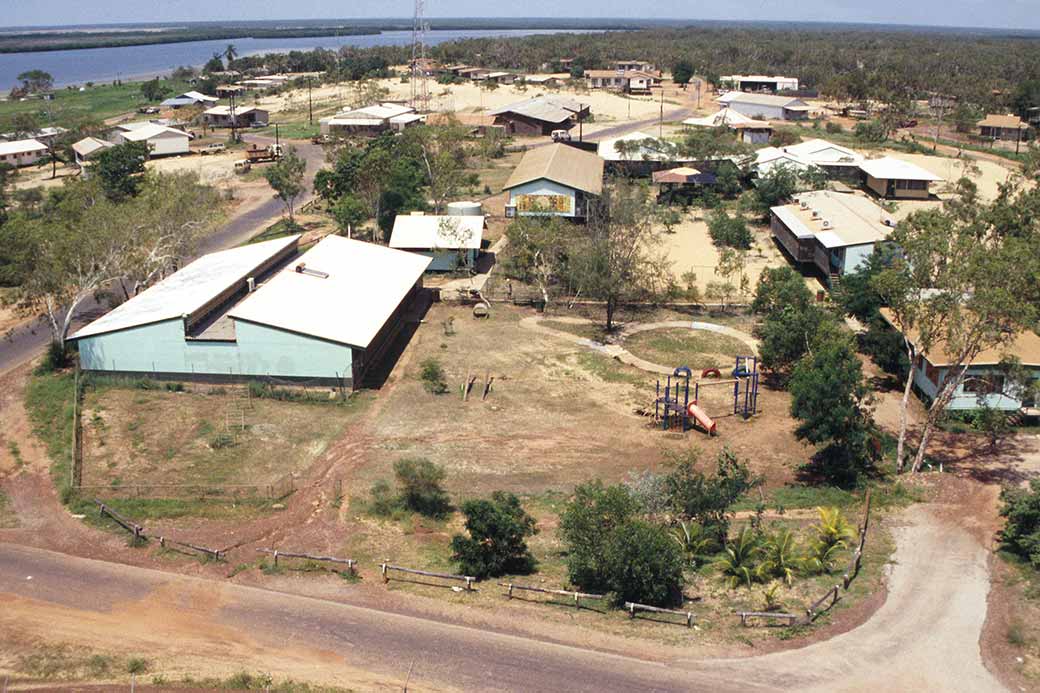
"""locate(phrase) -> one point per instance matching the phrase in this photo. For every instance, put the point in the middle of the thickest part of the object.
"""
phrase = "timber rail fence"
(139, 534)
(633, 607)
(276, 554)
(276, 490)
(576, 596)
(385, 569)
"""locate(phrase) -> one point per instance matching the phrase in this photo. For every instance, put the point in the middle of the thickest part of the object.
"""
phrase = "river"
(108, 64)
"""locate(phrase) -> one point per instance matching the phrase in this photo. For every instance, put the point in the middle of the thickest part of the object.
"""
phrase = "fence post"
(631, 610)
(509, 594)
(276, 558)
(386, 578)
(689, 619)
(577, 601)
(469, 584)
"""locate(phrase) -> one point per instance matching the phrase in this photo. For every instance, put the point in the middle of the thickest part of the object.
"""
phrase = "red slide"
(702, 418)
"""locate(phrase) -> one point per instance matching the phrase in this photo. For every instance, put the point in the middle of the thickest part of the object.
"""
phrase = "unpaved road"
(925, 636)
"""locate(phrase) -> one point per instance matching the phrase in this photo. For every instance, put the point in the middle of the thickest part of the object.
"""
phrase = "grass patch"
(8, 520)
(101, 101)
(611, 371)
(49, 401)
(678, 346)
(142, 510)
(291, 131)
(593, 331)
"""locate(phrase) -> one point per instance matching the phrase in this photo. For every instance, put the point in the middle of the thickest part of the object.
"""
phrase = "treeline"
(837, 61)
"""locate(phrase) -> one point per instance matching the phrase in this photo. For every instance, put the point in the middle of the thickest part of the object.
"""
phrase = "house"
(371, 120)
(769, 158)
(548, 81)
(835, 160)
(897, 179)
(88, 148)
(833, 232)
(985, 383)
(263, 312)
(161, 140)
(749, 130)
(1003, 127)
(759, 83)
(189, 98)
(628, 82)
(557, 180)
(766, 106)
(634, 66)
(245, 117)
(477, 123)
(22, 152)
(47, 135)
(229, 90)
(540, 115)
(473, 73)
(451, 242)
(497, 77)
(638, 153)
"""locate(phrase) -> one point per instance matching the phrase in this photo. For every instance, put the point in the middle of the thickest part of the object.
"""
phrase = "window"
(931, 372)
(987, 384)
(911, 185)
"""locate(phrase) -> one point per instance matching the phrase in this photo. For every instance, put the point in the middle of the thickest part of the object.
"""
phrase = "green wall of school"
(258, 350)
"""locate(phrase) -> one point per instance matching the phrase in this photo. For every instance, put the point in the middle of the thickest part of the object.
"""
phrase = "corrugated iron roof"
(550, 109)
(436, 232)
(561, 164)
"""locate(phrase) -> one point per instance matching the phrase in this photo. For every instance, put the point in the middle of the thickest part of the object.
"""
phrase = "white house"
(189, 98)
(246, 116)
(557, 180)
(897, 179)
(88, 148)
(371, 120)
(835, 232)
(759, 83)
(749, 130)
(768, 159)
(22, 152)
(161, 140)
(451, 242)
(766, 106)
(836, 160)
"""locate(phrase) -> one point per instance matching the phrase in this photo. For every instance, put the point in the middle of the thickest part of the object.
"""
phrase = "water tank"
(464, 209)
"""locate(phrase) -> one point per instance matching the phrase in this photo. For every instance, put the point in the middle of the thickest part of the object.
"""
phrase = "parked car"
(213, 148)
(561, 136)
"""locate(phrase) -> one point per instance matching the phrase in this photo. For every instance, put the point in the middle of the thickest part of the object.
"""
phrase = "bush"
(586, 524)
(432, 376)
(56, 358)
(419, 486)
(870, 131)
(643, 564)
(834, 128)
(708, 499)
(384, 502)
(727, 231)
(221, 441)
(1021, 533)
(496, 545)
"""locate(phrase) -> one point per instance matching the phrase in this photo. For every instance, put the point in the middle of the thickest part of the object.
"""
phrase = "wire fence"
(275, 490)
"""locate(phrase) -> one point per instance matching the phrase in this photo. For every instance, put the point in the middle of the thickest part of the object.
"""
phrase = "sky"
(1017, 14)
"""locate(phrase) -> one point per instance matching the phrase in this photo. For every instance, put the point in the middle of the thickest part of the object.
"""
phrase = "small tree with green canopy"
(790, 333)
(285, 177)
(154, 90)
(35, 81)
(1020, 509)
(707, 500)
(120, 169)
(832, 402)
(419, 484)
(774, 188)
(350, 212)
(643, 564)
(538, 251)
(590, 517)
(727, 231)
(682, 72)
(497, 538)
(780, 287)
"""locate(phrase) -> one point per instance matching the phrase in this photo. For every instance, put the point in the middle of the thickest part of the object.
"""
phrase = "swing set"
(674, 409)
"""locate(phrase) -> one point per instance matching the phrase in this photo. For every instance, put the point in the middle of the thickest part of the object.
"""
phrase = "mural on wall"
(560, 204)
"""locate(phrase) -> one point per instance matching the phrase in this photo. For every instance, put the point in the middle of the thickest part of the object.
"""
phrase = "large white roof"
(654, 151)
(725, 116)
(768, 158)
(788, 102)
(21, 147)
(421, 232)
(837, 220)
(365, 284)
(822, 152)
(188, 290)
(148, 131)
(891, 168)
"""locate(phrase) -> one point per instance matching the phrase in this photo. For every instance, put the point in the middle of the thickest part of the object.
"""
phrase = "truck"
(257, 154)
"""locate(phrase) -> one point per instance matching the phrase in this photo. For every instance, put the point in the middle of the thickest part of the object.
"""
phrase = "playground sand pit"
(558, 413)
(689, 248)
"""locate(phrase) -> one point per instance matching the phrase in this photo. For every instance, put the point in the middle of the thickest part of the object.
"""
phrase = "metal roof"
(226, 110)
(363, 285)
(21, 147)
(822, 152)
(1025, 347)
(836, 220)
(550, 109)
(435, 232)
(149, 131)
(88, 145)
(1009, 122)
(891, 168)
(560, 163)
(189, 289)
(725, 117)
(788, 102)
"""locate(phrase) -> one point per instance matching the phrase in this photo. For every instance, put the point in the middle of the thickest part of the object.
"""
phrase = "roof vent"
(815, 214)
(251, 283)
(803, 204)
(302, 268)
(826, 223)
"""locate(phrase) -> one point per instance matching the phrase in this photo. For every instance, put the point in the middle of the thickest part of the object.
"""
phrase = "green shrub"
(221, 441)
(834, 128)
(498, 529)
(55, 358)
(643, 564)
(432, 376)
(383, 502)
(727, 231)
(419, 484)
(739, 563)
(1020, 509)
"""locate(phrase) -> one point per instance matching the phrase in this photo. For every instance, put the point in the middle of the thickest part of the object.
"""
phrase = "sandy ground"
(689, 248)
(214, 169)
(989, 178)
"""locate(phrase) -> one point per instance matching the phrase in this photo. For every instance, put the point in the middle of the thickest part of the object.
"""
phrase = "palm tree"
(230, 53)
(833, 534)
(739, 563)
(693, 541)
(781, 556)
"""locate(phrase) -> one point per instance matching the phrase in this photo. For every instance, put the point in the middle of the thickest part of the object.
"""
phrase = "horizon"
(840, 19)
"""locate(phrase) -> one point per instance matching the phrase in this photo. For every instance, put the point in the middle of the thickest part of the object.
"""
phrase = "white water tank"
(464, 209)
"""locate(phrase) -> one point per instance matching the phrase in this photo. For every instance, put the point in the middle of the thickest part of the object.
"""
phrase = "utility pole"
(310, 100)
(660, 127)
(234, 119)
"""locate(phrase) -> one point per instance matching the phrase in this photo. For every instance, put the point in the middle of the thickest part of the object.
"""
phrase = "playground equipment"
(674, 408)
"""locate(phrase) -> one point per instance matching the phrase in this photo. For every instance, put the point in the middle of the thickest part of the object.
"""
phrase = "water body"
(108, 64)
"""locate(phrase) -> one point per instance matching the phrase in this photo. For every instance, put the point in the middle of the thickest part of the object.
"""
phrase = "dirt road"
(925, 637)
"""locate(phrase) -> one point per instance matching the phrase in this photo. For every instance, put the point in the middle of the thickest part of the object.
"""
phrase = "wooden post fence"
(215, 554)
(576, 596)
(813, 611)
(745, 615)
(135, 529)
(385, 569)
(275, 553)
(633, 608)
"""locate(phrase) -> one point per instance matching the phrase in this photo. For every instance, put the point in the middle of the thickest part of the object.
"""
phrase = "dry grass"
(697, 349)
